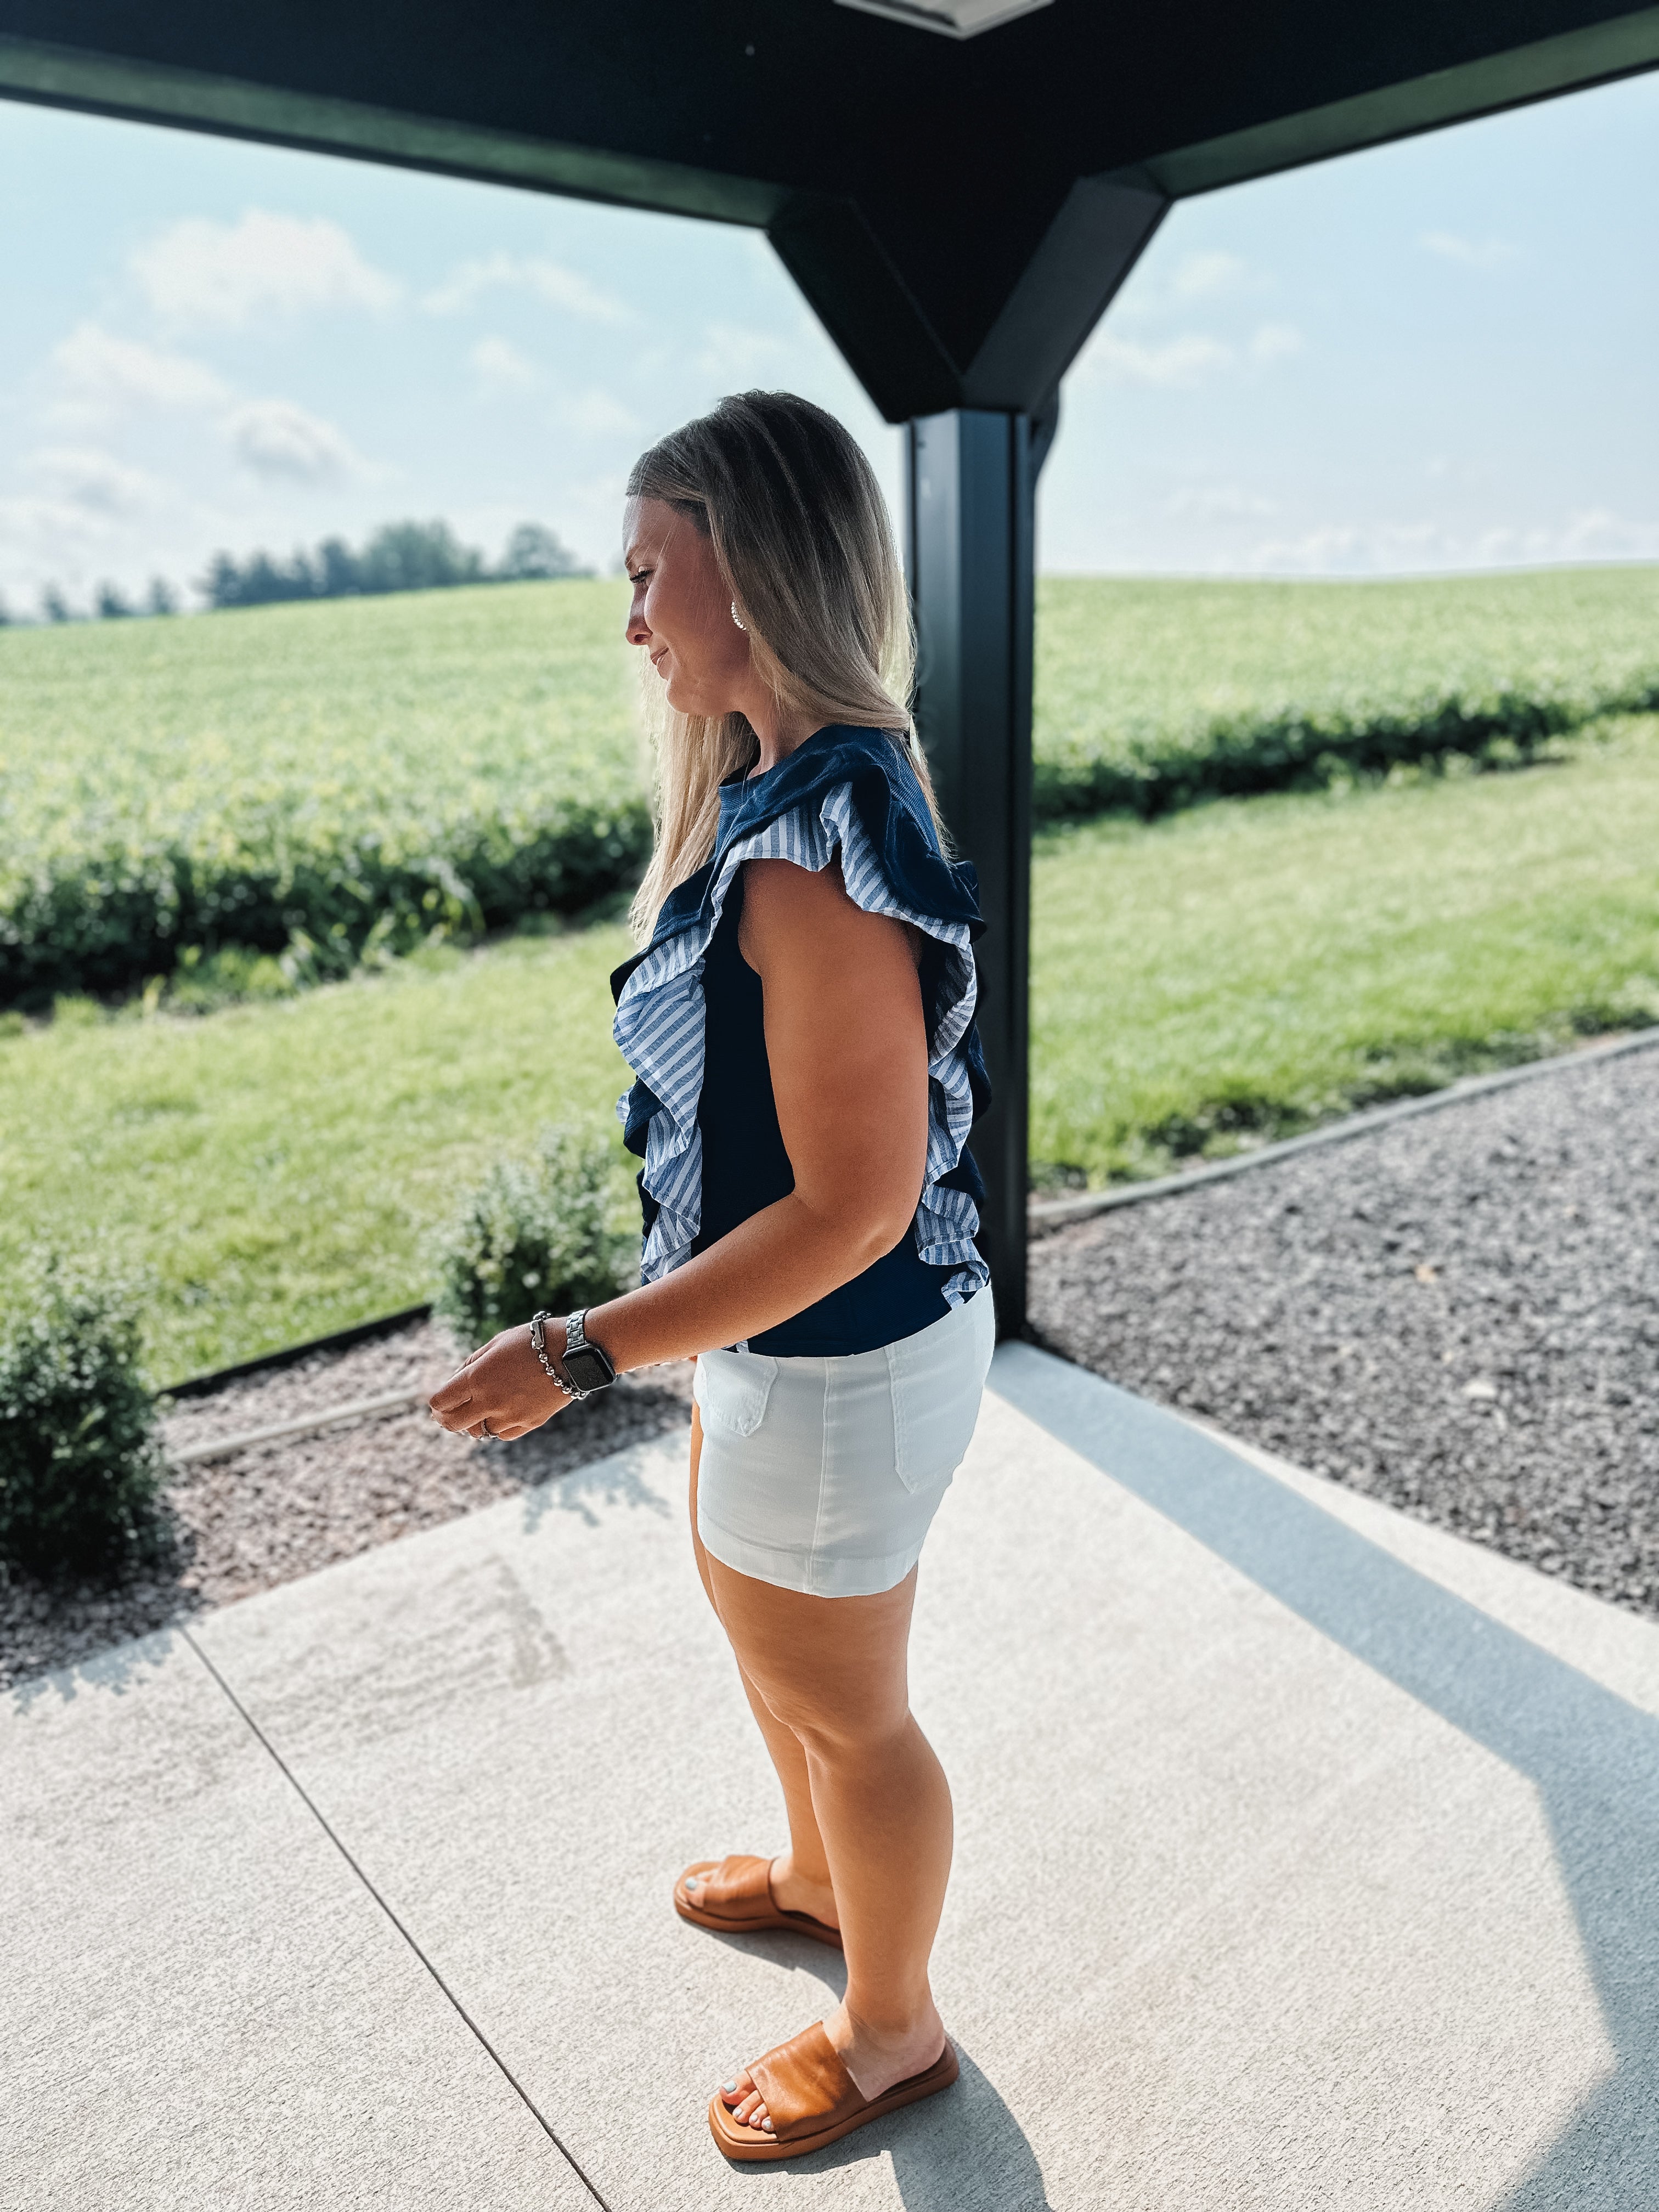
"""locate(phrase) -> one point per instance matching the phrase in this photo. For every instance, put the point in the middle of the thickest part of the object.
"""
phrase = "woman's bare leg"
(832, 1670)
(800, 1875)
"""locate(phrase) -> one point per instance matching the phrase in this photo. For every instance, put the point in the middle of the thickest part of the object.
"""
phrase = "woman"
(801, 1027)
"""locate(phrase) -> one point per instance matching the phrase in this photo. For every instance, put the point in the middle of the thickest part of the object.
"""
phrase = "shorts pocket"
(937, 1379)
(731, 1389)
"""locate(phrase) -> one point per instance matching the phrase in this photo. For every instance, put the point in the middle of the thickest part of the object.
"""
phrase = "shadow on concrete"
(114, 1670)
(1592, 1757)
(962, 2151)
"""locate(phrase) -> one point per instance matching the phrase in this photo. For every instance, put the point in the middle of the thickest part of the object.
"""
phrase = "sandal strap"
(805, 2086)
(739, 1879)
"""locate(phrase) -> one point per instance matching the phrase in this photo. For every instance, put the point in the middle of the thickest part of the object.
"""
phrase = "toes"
(743, 2086)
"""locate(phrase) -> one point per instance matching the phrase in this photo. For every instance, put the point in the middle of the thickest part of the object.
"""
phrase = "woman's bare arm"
(848, 1045)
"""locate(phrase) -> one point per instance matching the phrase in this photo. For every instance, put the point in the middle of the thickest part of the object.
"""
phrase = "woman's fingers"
(500, 1387)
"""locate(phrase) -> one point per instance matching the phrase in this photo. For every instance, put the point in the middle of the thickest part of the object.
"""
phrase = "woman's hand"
(502, 1391)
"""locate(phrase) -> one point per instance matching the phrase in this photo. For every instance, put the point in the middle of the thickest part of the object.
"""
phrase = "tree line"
(400, 556)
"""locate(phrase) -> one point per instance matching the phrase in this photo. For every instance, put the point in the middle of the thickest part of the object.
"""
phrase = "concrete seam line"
(312, 1807)
(1059, 1212)
(355, 1409)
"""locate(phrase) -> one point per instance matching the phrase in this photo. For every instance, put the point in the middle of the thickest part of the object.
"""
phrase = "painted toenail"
(729, 2087)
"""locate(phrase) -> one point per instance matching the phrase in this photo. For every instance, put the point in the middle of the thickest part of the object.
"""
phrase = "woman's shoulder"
(857, 788)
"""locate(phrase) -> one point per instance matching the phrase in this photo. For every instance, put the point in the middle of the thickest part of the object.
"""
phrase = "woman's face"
(681, 612)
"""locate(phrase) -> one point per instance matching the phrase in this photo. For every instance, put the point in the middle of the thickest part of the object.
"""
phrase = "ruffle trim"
(659, 1028)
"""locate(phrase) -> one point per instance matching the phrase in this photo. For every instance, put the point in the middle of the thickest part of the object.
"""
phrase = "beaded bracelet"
(538, 1346)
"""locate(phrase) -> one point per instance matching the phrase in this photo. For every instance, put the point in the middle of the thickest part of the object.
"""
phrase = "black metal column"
(970, 556)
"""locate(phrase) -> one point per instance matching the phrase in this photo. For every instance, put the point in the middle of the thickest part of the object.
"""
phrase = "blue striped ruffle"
(660, 1027)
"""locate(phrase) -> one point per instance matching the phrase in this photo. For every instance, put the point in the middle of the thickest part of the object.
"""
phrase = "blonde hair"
(802, 538)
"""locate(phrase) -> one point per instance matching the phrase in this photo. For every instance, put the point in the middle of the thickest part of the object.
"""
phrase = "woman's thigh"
(832, 1668)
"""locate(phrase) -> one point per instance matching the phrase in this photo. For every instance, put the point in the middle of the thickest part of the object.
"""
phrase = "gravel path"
(282, 1510)
(1459, 1315)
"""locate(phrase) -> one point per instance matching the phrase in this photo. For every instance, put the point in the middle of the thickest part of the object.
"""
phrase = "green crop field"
(312, 777)
(1150, 696)
(330, 781)
(1242, 968)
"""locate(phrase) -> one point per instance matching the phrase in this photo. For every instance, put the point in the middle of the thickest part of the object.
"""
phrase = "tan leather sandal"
(812, 2099)
(734, 1895)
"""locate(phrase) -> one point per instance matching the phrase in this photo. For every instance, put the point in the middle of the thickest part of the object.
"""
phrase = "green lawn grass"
(1241, 969)
(276, 1166)
(1252, 966)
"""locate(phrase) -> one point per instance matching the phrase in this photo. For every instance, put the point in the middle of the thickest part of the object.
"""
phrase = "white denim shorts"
(823, 1474)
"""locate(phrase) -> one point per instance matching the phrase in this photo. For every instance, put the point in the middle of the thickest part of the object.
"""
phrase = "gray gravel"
(280, 1510)
(1459, 1315)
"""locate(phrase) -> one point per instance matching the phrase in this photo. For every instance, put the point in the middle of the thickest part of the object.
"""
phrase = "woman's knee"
(833, 1720)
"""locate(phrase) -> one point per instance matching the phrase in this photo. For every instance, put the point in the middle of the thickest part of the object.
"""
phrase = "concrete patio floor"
(1307, 1858)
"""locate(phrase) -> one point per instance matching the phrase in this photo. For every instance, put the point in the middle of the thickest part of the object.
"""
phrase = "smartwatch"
(588, 1367)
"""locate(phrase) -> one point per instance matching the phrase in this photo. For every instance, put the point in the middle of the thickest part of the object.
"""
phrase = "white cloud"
(1597, 534)
(1275, 341)
(1210, 276)
(500, 368)
(1469, 253)
(82, 477)
(101, 371)
(218, 274)
(1179, 363)
(731, 352)
(597, 414)
(1418, 548)
(1218, 502)
(544, 279)
(277, 438)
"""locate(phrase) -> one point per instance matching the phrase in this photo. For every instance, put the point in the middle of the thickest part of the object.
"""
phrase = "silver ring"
(486, 1433)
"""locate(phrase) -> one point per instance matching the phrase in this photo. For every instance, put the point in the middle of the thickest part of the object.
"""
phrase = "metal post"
(971, 555)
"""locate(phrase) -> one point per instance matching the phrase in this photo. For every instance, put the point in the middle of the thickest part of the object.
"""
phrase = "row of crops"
(322, 782)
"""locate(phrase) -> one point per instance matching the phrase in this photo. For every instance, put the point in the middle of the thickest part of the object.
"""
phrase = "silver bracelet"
(538, 1346)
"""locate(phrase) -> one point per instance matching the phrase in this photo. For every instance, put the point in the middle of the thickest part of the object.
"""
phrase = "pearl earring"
(737, 618)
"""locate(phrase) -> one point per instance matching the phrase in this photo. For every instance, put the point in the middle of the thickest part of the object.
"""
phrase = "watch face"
(588, 1368)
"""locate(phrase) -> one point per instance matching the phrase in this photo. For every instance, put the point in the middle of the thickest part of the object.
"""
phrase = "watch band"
(588, 1365)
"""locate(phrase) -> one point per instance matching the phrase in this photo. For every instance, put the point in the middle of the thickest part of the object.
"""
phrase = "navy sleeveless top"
(745, 1167)
(701, 1111)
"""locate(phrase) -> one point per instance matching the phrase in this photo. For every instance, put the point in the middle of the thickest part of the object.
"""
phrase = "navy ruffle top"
(701, 1113)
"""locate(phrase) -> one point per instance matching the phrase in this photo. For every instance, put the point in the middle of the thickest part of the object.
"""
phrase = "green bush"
(81, 1468)
(539, 1232)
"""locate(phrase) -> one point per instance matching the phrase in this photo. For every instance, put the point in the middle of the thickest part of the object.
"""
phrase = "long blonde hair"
(802, 538)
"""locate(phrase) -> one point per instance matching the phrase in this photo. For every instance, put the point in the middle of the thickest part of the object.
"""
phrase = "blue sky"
(1439, 354)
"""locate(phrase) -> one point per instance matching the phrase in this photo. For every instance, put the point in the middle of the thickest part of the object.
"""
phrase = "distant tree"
(339, 571)
(5, 614)
(54, 606)
(416, 556)
(259, 583)
(222, 583)
(535, 552)
(160, 598)
(111, 605)
(401, 556)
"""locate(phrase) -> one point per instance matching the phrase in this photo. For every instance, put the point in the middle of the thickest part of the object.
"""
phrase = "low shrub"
(81, 1468)
(542, 1231)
